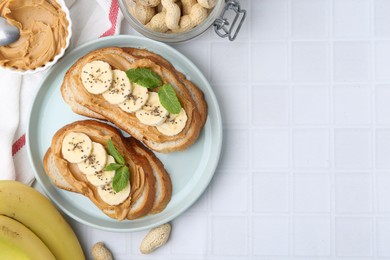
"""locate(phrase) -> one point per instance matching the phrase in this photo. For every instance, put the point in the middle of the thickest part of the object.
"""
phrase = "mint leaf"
(112, 167)
(169, 99)
(144, 77)
(121, 179)
(114, 152)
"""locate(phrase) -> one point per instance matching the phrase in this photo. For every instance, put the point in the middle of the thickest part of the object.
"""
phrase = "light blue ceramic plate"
(191, 170)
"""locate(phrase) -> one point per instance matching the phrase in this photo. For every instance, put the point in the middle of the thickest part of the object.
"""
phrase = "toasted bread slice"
(95, 106)
(195, 92)
(151, 186)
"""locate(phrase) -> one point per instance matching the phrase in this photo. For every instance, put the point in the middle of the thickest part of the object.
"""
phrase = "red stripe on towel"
(113, 17)
(19, 144)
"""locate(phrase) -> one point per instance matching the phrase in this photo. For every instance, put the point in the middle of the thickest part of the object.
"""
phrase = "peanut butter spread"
(100, 105)
(43, 30)
(78, 180)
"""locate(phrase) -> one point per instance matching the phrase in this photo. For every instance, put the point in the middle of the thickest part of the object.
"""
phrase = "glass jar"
(219, 17)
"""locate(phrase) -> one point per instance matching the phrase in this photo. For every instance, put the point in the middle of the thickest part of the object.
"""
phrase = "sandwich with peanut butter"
(122, 177)
(141, 93)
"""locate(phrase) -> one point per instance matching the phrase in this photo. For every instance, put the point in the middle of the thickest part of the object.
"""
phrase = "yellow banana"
(8, 252)
(14, 235)
(35, 211)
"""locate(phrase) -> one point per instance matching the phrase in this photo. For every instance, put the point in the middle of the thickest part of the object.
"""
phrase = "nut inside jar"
(170, 16)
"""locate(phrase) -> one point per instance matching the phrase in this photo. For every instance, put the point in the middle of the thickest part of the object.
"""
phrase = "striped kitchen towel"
(17, 92)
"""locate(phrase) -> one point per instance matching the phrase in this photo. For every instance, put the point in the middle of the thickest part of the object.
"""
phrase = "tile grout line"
(250, 207)
(332, 157)
(373, 123)
(291, 241)
(335, 39)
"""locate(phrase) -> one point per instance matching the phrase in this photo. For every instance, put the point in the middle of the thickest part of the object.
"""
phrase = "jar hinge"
(221, 24)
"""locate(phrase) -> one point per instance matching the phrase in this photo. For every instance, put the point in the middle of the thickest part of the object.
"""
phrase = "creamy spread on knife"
(43, 26)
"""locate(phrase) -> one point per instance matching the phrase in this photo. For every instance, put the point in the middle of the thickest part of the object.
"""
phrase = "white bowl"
(58, 56)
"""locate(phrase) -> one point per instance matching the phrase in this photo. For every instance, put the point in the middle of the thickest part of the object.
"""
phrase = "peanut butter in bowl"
(44, 27)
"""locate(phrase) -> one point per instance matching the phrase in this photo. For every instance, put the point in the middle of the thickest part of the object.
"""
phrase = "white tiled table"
(305, 168)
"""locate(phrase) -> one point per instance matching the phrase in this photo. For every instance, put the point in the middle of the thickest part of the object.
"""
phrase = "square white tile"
(271, 236)
(382, 105)
(271, 19)
(352, 104)
(351, 61)
(382, 145)
(272, 148)
(382, 19)
(238, 202)
(195, 244)
(223, 242)
(353, 192)
(354, 236)
(351, 18)
(230, 61)
(310, 19)
(311, 104)
(312, 236)
(311, 192)
(235, 153)
(382, 60)
(270, 105)
(311, 148)
(382, 188)
(269, 62)
(310, 61)
(270, 192)
(383, 236)
(353, 148)
(233, 112)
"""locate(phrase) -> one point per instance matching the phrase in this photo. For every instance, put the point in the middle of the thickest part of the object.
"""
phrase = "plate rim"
(109, 41)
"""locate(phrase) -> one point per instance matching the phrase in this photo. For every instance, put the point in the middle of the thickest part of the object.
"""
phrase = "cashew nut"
(172, 17)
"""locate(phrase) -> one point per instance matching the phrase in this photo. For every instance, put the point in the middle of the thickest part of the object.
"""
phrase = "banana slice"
(76, 147)
(135, 100)
(96, 76)
(102, 177)
(111, 197)
(152, 113)
(120, 88)
(96, 161)
(174, 124)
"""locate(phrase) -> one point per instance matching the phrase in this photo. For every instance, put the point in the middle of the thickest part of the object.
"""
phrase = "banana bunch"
(32, 228)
